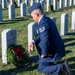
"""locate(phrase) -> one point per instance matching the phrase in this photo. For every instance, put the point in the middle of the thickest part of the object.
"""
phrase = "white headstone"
(61, 4)
(73, 20)
(74, 2)
(66, 3)
(1, 13)
(0, 1)
(64, 24)
(42, 4)
(71, 2)
(4, 4)
(32, 1)
(31, 31)
(11, 10)
(11, 1)
(26, 1)
(55, 4)
(8, 38)
(50, 2)
(19, 2)
(23, 9)
(48, 5)
(38, 0)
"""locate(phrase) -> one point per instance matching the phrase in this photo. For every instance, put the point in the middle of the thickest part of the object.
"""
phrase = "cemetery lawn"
(20, 25)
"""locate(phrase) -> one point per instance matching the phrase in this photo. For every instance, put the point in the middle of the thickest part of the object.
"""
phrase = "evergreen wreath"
(17, 55)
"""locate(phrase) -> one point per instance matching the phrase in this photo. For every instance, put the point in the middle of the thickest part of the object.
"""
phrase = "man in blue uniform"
(49, 45)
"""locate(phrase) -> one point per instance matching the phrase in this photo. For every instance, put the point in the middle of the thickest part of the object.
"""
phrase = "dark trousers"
(44, 64)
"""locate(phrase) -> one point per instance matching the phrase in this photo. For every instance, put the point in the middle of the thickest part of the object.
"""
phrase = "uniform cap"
(34, 6)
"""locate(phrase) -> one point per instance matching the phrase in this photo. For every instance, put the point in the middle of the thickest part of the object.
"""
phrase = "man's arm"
(31, 44)
(44, 37)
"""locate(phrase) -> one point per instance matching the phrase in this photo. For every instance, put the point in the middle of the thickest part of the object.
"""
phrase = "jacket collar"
(41, 19)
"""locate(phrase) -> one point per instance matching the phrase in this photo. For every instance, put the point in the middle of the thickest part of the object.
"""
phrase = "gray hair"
(39, 11)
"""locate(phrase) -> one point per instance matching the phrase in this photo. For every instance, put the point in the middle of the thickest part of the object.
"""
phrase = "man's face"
(34, 16)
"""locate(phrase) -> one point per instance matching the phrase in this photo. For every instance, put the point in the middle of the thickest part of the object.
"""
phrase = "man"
(49, 45)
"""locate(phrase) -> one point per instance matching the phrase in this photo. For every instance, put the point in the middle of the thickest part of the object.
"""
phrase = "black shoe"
(66, 68)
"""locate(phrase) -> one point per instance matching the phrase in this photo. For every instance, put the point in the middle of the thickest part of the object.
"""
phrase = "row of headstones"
(71, 2)
(11, 10)
(64, 26)
(63, 3)
(4, 2)
(11, 7)
(9, 36)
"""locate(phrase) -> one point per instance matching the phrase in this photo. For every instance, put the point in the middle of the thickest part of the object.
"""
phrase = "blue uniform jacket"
(49, 40)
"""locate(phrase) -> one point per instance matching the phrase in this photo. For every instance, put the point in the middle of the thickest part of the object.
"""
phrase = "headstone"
(48, 5)
(31, 31)
(54, 19)
(55, 4)
(4, 4)
(0, 1)
(26, 2)
(23, 9)
(38, 0)
(66, 3)
(32, 2)
(50, 2)
(73, 20)
(74, 2)
(42, 4)
(11, 1)
(11, 10)
(1, 13)
(19, 2)
(8, 38)
(71, 2)
(7, 0)
(61, 4)
(64, 24)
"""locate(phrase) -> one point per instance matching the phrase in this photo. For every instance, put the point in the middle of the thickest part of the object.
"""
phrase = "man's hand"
(30, 47)
(42, 56)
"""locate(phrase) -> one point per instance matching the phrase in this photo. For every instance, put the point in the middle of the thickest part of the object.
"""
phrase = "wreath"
(17, 55)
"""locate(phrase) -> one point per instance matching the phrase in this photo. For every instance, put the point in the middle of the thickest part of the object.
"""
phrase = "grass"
(20, 25)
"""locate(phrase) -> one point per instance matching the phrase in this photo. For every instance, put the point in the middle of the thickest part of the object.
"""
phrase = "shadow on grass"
(59, 10)
(34, 60)
(15, 20)
(47, 13)
(64, 8)
(72, 66)
(70, 44)
(68, 39)
(14, 71)
(68, 51)
(9, 72)
(71, 33)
